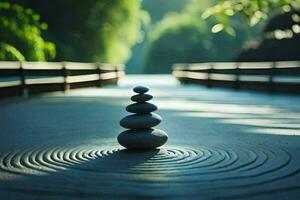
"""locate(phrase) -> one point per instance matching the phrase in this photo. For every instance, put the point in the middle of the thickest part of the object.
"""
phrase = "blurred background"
(149, 35)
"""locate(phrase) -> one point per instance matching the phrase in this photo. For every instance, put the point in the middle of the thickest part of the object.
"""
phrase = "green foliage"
(185, 38)
(20, 36)
(91, 30)
(279, 41)
(118, 30)
(10, 53)
(253, 11)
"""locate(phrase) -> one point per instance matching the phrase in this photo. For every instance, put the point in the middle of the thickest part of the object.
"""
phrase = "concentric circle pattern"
(167, 172)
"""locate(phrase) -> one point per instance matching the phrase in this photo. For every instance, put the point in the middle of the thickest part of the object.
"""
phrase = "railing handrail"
(278, 64)
(66, 74)
(269, 75)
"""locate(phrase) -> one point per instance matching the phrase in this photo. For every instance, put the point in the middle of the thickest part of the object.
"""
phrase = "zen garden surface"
(223, 144)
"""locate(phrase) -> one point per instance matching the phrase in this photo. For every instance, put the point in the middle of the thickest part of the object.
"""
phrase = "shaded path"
(223, 144)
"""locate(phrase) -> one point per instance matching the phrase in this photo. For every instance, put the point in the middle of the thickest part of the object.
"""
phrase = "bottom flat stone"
(142, 138)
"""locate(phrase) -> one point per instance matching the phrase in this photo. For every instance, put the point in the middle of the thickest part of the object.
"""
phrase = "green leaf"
(207, 13)
(217, 28)
(230, 31)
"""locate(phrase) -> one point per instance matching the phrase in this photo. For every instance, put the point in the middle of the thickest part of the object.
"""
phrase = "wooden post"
(209, 71)
(117, 73)
(99, 83)
(237, 73)
(185, 70)
(271, 76)
(65, 73)
(24, 89)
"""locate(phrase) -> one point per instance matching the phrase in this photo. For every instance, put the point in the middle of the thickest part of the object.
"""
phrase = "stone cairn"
(141, 135)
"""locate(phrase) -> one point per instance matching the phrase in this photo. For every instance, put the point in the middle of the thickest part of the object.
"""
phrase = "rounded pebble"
(141, 89)
(142, 138)
(140, 121)
(140, 98)
(141, 108)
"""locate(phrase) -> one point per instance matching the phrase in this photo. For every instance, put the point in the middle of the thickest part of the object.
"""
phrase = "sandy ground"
(223, 144)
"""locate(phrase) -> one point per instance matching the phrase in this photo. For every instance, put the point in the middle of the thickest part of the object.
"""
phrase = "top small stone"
(140, 89)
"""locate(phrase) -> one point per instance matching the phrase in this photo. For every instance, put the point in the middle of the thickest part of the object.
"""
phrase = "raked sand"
(223, 144)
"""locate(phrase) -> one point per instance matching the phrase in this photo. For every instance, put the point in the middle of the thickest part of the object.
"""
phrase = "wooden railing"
(283, 76)
(25, 78)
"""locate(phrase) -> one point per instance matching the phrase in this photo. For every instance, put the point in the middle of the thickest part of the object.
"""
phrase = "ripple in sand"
(182, 169)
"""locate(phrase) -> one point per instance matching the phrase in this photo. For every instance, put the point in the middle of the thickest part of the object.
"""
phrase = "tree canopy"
(21, 34)
(91, 30)
(185, 37)
(106, 30)
(279, 41)
(249, 10)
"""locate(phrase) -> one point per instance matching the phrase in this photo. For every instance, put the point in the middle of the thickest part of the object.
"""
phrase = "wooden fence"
(25, 78)
(283, 76)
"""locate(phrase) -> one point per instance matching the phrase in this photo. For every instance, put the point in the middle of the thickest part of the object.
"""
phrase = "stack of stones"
(141, 135)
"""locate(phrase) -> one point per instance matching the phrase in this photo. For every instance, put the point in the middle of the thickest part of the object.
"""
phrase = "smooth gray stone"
(140, 121)
(141, 98)
(141, 89)
(142, 138)
(141, 108)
